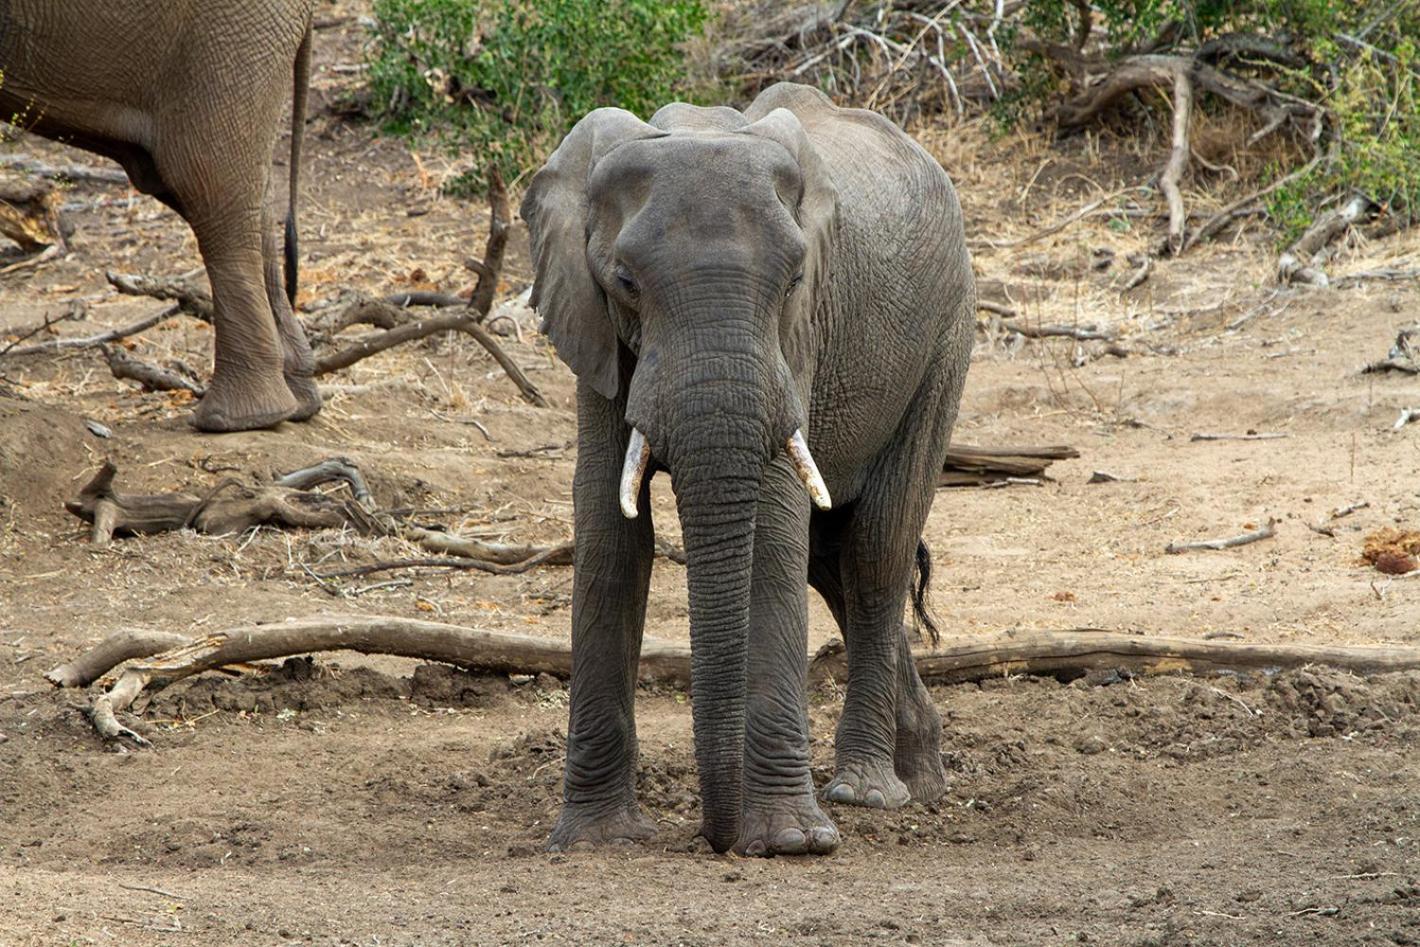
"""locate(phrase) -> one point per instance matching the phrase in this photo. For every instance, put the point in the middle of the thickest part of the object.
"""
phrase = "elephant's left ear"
(817, 212)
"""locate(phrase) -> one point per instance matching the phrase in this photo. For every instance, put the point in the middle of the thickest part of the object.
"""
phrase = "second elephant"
(188, 97)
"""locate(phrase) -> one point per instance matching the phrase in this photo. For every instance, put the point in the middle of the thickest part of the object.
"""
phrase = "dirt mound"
(41, 449)
(1392, 550)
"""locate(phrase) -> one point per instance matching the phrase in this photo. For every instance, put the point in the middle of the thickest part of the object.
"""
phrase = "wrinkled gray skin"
(717, 280)
(188, 97)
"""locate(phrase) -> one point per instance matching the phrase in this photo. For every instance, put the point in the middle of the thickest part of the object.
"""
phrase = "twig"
(1146, 266)
(76, 312)
(1249, 436)
(1349, 508)
(102, 338)
(1266, 532)
(1406, 416)
(158, 891)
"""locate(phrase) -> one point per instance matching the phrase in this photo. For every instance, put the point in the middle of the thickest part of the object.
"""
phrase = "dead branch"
(1144, 267)
(1000, 309)
(191, 300)
(1062, 654)
(967, 466)
(1301, 262)
(1406, 416)
(1087, 333)
(151, 377)
(76, 312)
(1265, 532)
(334, 468)
(465, 318)
(1243, 206)
(1178, 161)
(99, 339)
(1249, 436)
(117, 648)
(113, 512)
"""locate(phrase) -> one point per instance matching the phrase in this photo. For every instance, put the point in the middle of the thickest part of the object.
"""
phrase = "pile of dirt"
(41, 448)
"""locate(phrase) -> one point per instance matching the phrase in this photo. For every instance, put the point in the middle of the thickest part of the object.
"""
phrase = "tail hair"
(920, 612)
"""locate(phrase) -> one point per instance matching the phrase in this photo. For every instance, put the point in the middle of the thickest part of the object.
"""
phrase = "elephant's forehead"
(687, 164)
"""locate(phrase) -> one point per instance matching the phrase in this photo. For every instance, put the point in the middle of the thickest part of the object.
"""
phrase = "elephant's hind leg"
(248, 389)
(297, 364)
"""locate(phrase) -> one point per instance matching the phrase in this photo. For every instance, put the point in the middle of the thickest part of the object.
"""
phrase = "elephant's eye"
(794, 284)
(625, 280)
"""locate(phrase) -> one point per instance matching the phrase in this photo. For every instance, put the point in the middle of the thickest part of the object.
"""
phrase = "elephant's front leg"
(781, 813)
(612, 577)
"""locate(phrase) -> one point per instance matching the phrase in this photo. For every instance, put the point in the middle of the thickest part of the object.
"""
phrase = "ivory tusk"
(808, 471)
(633, 471)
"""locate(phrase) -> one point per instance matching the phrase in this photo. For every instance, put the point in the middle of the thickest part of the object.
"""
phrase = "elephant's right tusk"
(633, 471)
(808, 471)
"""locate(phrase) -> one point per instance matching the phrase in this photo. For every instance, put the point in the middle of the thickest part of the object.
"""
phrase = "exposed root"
(1302, 261)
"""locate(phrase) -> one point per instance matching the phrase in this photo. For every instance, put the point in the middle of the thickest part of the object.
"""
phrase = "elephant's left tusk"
(633, 471)
(808, 471)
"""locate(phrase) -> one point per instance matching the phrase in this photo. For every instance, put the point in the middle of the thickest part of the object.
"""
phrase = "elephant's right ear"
(572, 305)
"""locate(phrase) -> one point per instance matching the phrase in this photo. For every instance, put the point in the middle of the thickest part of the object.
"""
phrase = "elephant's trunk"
(717, 512)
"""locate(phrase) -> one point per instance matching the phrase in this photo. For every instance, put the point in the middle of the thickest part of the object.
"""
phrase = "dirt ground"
(378, 801)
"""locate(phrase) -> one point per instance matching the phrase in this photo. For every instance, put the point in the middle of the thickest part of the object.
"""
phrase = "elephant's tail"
(300, 86)
(920, 611)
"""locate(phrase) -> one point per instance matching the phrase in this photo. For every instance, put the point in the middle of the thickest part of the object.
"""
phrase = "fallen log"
(968, 466)
(1065, 655)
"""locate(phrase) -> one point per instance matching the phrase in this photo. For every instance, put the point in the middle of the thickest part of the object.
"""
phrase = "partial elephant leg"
(297, 364)
(248, 389)
(612, 578)
(888, 717)
(781, 815)
(917, 758)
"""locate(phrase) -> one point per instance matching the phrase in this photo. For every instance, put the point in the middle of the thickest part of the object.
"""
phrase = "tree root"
(1185, 76)
(1302, 261)
(1064, 655)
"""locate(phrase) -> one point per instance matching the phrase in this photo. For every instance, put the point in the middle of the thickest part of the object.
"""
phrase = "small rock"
(1090, 744)
(97, 429)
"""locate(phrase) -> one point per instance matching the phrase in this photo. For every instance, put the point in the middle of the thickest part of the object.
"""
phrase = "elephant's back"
(899, 313)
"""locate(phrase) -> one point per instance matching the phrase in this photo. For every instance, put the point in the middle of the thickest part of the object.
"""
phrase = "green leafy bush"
(504, 82)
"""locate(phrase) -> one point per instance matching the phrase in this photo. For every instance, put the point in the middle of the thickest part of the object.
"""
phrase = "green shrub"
(1359, 60)
(503, 85)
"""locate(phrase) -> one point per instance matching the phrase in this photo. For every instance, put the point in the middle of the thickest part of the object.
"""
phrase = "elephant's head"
(683, 268)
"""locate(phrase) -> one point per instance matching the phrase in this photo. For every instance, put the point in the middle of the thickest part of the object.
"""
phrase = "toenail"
(757, 848)
(875, 799)
(840, 793)
(791, 842)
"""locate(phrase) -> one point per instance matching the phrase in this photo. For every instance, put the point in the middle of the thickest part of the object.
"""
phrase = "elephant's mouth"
(638, 456)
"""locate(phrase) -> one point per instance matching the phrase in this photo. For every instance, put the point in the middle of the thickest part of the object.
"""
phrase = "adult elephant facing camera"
(730, 289)
(188, 97)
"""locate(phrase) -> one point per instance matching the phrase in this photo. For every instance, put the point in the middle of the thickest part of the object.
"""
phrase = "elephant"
(776, 307)
(187, 97)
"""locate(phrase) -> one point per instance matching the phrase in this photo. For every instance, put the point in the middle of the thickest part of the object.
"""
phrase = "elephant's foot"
(303, 389)
(786, 825)
(581, 827)
(917, 758)
(867, 782)
(253, 402)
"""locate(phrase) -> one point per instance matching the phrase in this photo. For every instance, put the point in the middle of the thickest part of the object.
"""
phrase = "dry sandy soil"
(377, 801)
